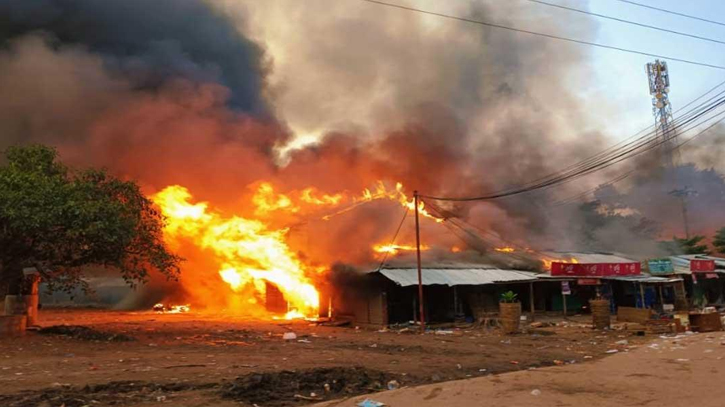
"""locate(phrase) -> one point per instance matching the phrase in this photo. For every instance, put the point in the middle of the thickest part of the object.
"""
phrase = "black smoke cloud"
(148, 42)
(202, 93)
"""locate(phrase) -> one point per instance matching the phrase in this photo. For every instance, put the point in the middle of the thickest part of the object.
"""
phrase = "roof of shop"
(681, 263)
(589, 257)
(452, 276)
(643, 278)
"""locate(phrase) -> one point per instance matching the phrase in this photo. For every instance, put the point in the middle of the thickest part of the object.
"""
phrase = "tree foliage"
(692, 245)
(719, 241)
(59, 221)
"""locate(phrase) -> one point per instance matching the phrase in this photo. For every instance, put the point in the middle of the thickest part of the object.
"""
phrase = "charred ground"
(193, 359)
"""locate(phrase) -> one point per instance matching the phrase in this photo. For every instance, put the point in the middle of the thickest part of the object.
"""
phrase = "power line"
(385, 257)
(644, 145)
(623, 176)
(550, 36)
(571, 199)
(621, 20)
(671, 12)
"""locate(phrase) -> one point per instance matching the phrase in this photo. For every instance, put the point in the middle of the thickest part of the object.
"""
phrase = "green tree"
(692, 245)
(59, 221)
(719, 241)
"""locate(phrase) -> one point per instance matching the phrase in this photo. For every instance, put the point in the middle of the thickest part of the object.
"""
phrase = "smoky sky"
(205, 93)
(148, 42)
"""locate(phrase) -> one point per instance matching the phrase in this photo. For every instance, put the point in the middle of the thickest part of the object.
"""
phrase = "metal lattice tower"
(659, 88)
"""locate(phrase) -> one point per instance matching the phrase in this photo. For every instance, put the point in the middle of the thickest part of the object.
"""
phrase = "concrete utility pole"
(421, 311)
(683, 194)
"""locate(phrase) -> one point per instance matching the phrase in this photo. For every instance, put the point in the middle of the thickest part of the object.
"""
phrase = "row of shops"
(470, 292)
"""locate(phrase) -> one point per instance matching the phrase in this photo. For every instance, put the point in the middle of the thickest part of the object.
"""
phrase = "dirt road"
(196, 360)
(686, 371)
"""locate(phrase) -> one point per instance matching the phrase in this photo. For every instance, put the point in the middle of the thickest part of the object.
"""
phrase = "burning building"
(277, 154)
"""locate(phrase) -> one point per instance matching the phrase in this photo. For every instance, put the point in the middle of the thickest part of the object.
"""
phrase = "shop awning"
(457, 276)
(644, 278)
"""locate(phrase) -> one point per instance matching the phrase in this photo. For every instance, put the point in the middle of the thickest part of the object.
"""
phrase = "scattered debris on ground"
(288, 388)
(113, 393)
(85, 333)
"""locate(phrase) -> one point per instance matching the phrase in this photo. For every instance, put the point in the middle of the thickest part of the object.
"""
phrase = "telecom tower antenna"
(659, 89)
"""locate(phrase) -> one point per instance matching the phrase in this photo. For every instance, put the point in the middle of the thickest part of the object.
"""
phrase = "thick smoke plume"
(219, 96)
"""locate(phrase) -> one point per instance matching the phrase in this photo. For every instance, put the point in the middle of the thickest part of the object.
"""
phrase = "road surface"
(687, 370)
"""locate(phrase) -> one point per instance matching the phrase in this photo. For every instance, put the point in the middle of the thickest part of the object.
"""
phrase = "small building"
(642, 290)
(704, 288)
(452, 291)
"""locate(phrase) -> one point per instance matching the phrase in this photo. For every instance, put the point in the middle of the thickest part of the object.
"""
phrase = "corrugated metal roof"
(590, 257)
(644, 278)
(456, 276)
(681, 263)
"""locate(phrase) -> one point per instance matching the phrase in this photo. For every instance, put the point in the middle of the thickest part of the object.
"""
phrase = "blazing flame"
(395, 248)
(380, 191)
(547, 261)
(455, 249)
(171, 309)
(248, 252)
(506, 249)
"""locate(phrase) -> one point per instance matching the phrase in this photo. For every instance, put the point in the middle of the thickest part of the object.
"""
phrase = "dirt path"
(688, 371)
(196, 360)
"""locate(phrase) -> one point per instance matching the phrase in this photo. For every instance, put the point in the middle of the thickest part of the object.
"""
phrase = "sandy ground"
(684, 371)
(189, 359)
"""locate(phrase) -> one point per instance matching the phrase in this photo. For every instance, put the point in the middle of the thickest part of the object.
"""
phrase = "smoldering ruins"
(290, 127)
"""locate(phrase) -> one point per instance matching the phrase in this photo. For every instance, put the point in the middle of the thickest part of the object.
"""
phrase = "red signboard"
(702, 266)
(587, 281)
(595, 269)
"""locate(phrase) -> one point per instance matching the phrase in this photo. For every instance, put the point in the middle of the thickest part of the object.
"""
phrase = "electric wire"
(621, 20)
(627, 141)
(574, 198)
(624, 153)
(451, 221)
(395, 236)
(671, 12)
(550, 36)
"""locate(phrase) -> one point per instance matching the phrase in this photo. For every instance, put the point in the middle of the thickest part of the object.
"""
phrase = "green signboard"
(660, 266)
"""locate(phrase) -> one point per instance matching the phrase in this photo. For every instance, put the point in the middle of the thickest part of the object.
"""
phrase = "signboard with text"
(661, 266)
(702, 266)
(565, 289)
(588, 281)
(595, 269)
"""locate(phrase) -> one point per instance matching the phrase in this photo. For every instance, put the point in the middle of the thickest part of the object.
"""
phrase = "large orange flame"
(547, 261)
(247, 251)
(395, 248)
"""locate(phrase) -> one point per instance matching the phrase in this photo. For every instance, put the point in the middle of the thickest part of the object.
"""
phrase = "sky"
(611, 85)
(621, 78)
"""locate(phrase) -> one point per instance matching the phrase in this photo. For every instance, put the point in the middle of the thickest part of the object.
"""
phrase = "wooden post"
(531, 300)
(563, 297)
(662, 297)
(455, 302)
(420, 273)
(641, 294)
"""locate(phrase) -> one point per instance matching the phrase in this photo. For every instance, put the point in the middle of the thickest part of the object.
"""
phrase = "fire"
(247, 251)
(312, 196)
(294, 314)
(455, 249)
(395, 248)
(547, 261)
(506, 249)
(267, 200)
(171, 309)
(381, 192)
